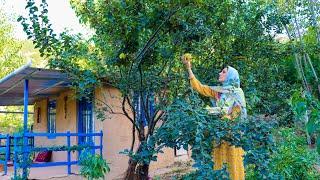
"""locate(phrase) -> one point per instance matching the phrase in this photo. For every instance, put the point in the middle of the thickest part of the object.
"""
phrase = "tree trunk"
(130, 173)
(137, 171)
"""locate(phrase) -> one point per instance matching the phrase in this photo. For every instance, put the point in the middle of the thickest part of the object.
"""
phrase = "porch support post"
(69, 152)
(25, 127)
(101, 144)
(25, 105)
(15, 155)
(7, 154)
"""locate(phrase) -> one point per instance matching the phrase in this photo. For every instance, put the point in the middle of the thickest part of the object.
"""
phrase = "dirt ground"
(175, 170)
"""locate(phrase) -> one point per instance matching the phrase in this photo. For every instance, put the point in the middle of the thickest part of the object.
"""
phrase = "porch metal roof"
(42, 83)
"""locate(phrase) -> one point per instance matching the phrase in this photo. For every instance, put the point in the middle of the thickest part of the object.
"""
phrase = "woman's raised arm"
(202, 89)
(195, 83)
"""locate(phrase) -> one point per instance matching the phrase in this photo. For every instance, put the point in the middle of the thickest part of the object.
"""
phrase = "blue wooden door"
(85, 121)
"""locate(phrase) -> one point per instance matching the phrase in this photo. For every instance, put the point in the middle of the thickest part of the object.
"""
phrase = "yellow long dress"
(224, 153)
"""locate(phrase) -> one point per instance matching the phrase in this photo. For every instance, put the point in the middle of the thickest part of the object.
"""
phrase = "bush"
(93, 166)
(190, 125)
(293, 159)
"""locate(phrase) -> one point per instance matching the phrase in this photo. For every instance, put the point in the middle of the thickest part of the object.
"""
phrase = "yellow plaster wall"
(117, 131)
(66, 117)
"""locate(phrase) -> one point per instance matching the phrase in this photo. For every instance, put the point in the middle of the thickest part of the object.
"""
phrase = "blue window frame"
(139, 106)
(52, 112)
(85, 119)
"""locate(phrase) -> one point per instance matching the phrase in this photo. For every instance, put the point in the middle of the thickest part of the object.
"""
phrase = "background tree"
(13, 54)
(302, 29)
(9, 48)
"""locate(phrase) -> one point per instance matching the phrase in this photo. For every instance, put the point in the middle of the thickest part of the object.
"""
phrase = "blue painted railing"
(3, 141)
(5, 152)
(7, 149)
(26, 150)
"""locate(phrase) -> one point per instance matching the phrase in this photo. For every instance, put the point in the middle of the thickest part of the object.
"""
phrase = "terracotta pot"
(1, 167)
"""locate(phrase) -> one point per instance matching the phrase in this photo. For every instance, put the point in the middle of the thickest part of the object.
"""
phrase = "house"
(60, 119)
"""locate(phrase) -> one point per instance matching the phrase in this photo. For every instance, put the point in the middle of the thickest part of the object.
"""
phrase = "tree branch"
(111, 111)
(125, 98)
(151, 40)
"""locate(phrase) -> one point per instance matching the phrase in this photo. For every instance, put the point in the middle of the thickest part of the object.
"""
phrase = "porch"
(25, 86)
(52, 173)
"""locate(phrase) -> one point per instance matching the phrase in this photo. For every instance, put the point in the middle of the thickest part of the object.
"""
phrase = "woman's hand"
(186, 60)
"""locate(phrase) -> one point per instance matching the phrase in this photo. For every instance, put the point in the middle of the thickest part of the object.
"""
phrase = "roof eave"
(17, 71)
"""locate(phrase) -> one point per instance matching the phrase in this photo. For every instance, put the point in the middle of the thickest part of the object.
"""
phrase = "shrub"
(293, 159)
(93, 166)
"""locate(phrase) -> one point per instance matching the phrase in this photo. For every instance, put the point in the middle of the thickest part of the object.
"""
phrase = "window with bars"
(52, 112)
(85, 119)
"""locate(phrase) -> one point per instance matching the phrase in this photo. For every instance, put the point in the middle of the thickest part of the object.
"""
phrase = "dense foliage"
(307, 106)
(292, 159)
(201, 131)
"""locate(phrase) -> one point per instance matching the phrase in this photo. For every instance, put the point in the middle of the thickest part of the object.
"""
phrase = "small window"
(52, 116)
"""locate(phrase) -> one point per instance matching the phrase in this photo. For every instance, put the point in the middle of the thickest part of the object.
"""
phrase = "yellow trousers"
(233, 157)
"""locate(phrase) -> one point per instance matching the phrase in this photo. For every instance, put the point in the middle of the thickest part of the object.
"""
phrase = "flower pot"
(1, 167)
